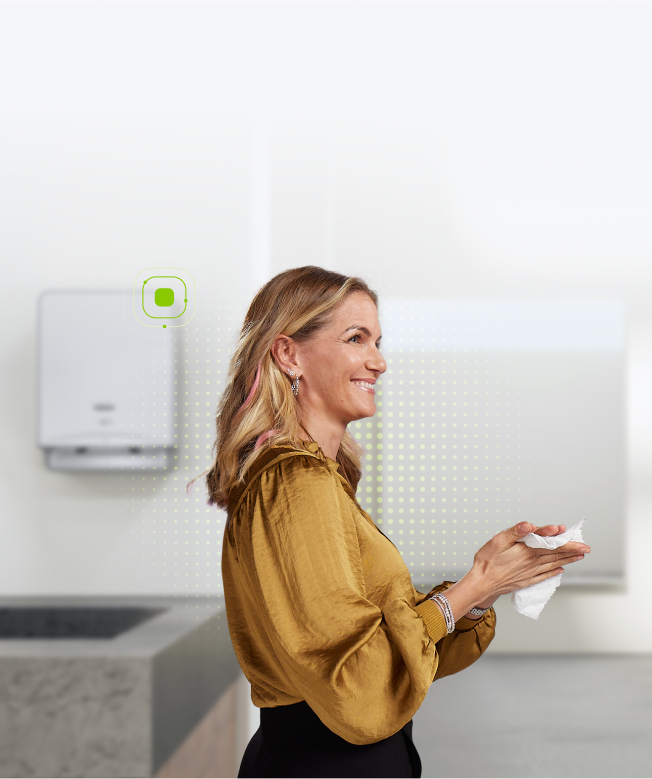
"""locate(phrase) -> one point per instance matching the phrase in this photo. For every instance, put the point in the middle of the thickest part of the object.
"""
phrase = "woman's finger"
(540, 577)
(569, 549)
(550, 530)
(549, 563)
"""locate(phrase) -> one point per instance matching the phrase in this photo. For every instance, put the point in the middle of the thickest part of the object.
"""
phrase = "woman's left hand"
(545, 530)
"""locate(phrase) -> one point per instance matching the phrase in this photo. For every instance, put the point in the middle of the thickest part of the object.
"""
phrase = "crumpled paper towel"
(530, 601)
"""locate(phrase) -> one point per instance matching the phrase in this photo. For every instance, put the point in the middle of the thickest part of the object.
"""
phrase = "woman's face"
(340, 364)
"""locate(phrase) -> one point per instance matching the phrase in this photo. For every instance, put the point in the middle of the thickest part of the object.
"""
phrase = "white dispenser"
(105, 392)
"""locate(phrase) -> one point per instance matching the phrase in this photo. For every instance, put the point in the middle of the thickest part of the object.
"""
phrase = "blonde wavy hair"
(258, 409)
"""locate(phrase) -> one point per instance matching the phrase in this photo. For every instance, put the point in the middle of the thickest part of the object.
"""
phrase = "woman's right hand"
(503, 565)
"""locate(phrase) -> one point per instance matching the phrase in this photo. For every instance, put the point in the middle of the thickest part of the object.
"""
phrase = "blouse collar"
(313, 446)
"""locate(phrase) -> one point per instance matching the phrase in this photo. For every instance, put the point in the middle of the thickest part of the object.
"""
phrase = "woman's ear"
(284, 352)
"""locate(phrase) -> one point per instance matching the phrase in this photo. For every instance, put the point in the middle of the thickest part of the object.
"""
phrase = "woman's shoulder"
(279, 462)
(287, 464)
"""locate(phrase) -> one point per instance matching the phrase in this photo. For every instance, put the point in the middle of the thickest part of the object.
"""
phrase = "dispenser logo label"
(164, 297)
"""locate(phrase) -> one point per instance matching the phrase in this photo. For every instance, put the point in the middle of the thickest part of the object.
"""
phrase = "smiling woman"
(339, 647)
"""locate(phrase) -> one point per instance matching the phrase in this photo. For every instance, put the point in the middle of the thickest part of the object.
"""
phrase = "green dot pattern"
(444, 468)
(176, 535)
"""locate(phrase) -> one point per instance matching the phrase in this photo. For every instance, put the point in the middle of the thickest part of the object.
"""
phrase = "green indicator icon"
(164, 296)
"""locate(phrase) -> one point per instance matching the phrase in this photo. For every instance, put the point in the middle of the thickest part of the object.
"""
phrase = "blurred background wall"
(439, 150)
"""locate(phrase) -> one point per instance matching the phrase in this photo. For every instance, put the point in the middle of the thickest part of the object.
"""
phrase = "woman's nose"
(377, 363)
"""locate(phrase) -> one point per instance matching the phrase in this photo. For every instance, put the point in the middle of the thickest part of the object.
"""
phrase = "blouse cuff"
(464, 623)
(434, 619)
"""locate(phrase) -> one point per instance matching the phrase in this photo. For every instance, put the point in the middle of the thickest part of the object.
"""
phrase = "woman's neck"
(329, 437)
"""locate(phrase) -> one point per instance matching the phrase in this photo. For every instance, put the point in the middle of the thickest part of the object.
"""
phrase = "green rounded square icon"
(164, 297)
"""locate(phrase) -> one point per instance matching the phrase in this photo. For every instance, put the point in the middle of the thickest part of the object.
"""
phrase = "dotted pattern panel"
(464, 444)
(445, 464)
(175, 535)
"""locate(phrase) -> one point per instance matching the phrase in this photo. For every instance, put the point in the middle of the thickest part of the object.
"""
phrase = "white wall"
(447, 149)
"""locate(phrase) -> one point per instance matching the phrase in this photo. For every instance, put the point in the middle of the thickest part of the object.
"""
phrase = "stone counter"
(112, 707)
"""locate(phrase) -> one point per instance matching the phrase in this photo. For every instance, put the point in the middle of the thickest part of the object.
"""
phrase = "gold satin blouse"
(321, 607)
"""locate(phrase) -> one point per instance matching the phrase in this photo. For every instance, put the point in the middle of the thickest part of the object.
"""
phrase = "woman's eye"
(354, 336)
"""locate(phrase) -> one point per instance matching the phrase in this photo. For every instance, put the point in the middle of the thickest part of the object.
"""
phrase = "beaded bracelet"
(446, 608)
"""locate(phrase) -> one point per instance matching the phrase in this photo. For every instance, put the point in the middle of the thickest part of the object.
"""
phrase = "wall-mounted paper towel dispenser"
(106, 394)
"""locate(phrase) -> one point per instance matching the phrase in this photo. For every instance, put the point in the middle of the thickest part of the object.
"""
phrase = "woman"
(338, 646)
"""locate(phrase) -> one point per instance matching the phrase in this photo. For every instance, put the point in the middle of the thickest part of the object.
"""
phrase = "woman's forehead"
(359, 307)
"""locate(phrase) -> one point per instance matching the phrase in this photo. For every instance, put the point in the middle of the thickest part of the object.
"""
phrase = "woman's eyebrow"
(362, 328)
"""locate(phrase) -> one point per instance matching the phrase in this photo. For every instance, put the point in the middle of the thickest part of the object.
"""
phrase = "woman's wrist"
(486, 604)
(468, 592)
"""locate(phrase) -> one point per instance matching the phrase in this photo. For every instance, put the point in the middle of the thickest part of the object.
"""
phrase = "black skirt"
(293, 741)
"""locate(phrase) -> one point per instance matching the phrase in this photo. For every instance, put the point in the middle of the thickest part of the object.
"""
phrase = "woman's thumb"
(517, 532)
(511, 535)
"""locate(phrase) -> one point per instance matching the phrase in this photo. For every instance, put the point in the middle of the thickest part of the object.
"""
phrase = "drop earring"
(295, 384)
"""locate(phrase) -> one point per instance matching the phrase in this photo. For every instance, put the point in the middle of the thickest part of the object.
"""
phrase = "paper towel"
(530, 601)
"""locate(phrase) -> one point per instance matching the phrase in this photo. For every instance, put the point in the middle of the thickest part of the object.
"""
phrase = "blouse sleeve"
(363, 670)
(461, 648)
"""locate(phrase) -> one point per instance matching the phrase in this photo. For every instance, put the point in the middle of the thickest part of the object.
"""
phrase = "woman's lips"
(365, 386)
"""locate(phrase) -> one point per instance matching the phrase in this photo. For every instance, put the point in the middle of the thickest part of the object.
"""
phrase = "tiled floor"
(540, 716)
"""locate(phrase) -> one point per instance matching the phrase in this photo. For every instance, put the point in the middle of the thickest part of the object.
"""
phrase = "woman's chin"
(362, 412)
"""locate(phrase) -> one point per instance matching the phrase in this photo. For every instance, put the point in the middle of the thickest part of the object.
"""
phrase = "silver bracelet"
(477, 611)
(446, 608)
